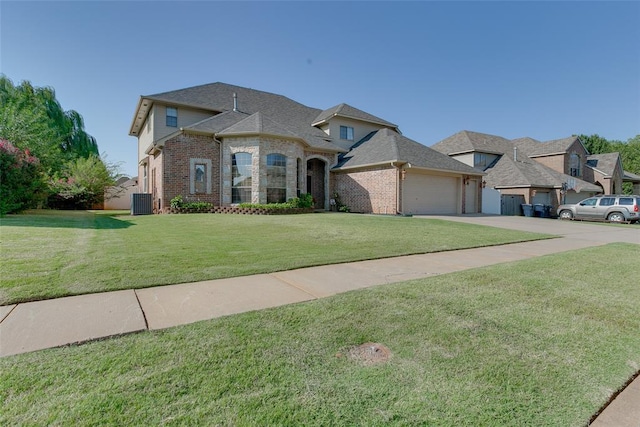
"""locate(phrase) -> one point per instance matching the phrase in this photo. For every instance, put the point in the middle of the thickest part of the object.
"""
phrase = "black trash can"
(538, 209)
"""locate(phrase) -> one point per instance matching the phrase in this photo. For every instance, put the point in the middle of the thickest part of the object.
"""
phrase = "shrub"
(178, 203)
(304, 201)
(21, 182)
(82, 184)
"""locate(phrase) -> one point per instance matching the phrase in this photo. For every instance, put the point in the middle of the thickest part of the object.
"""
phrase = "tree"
(595, 144)
(82, 184)
(20, 179)
(32, 118)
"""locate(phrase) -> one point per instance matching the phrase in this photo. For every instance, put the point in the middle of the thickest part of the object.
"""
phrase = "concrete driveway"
(593, 232)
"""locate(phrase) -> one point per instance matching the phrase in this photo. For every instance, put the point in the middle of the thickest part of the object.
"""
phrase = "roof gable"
(347, 111)
(605, 163)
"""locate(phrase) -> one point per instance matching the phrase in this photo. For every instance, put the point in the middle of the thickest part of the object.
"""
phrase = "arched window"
(276, 178)
(241, 170)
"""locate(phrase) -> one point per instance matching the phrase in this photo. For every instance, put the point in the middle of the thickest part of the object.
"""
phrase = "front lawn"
(48, 254)
(541, 342)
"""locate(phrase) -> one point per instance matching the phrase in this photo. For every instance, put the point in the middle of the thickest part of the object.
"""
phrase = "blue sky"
(541, 69)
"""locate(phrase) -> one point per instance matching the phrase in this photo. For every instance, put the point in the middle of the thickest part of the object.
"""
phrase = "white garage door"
(430, 194)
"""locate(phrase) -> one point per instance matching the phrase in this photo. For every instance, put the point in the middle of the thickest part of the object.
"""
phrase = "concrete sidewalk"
(43, 324)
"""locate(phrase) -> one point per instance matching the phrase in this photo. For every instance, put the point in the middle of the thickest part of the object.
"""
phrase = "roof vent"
(235, 102)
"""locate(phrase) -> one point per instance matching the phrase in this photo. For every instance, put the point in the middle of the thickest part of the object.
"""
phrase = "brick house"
(548, 173)
(227, 144)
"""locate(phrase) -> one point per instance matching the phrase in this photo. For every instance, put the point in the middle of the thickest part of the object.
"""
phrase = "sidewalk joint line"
(10, 311)
(287, 282)
(144, 315)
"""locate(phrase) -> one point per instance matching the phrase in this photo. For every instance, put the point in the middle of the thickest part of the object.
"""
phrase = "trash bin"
(546, 213)
(538, 209)
(527, 209)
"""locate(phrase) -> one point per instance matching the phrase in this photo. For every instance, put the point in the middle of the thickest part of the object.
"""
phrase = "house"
(119, 195)
(227, 144)
(535, 172)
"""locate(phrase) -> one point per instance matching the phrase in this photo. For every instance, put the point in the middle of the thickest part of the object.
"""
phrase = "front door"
(316, 171)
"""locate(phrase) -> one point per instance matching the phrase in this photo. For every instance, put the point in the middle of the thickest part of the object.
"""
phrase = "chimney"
(515, 154)
(235, 102)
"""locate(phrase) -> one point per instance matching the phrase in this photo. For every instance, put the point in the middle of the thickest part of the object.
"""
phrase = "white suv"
(613, 208)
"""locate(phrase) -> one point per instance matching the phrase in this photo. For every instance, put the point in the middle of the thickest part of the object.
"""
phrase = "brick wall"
(370, 190)
(175, 169)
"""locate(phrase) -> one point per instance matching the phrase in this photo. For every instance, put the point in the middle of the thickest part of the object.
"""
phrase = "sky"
(542, 69)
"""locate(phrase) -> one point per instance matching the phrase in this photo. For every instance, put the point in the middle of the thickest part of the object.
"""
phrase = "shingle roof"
(605, 163)
(387, 145)
(467, 141)
(258, 123)
(218, 97)
(508, 172)
(346, 110)
(536, 148)
(631, 177)
(218, 122)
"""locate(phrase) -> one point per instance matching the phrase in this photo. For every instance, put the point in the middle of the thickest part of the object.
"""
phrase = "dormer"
(347, 125)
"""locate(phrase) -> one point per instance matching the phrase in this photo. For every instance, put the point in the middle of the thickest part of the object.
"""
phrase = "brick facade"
(368, 190)
(175, 164)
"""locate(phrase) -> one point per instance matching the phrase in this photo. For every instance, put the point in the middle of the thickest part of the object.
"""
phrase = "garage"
(430, 194)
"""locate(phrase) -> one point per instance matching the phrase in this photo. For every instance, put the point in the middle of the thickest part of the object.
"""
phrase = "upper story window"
(172, 117)
(480, 160)
(276, 178)
(346, 132)
(241, 170)
(574, 164)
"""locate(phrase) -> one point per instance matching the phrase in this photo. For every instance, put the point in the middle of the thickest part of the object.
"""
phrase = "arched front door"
(316, 171)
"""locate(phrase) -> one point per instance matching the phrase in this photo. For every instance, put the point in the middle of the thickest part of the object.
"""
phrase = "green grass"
(51, 254)
(541, 342)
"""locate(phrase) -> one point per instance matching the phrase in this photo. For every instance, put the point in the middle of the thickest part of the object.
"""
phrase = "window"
(241, 170)
(200, 176)
(276, 178)
(480, 160)
(626, 201)
(346, 132)
(607, 201)
(172, 117)
(574, 164)
(589, 202)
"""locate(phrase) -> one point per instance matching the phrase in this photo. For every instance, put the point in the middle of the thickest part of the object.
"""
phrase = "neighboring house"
(534, 172)
(227, 144)
(119, 196)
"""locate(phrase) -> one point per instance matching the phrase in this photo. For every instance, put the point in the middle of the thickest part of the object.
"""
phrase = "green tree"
(595, 144)
(33, 119)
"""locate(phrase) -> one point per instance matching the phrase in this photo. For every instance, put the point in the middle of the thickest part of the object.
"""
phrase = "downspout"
(221, 183)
